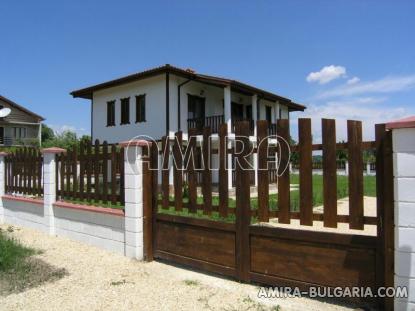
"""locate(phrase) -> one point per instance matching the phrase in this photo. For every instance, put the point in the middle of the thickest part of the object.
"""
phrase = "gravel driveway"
(98, 280)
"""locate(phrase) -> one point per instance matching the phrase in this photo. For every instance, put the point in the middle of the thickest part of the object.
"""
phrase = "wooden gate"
(266, 239)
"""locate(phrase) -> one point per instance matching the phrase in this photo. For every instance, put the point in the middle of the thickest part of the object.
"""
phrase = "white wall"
(25, 214)
(155, 90)
(96, 229)
(404, 184)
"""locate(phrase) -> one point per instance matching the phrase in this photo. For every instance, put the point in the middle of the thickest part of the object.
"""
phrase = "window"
(19, 132)
(111, 113)
(125, 110)
(195, 107)
(279, 114)
(268, 113)
(140, 108)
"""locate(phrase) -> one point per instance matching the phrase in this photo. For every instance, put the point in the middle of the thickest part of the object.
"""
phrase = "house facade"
(168, 99)
(21, 126)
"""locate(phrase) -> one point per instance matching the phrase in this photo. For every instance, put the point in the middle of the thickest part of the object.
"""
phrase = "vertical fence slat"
(207, 173)
(178, 171)
(122, 176)
(62, 175)
(104, 196)
(243, 215)
(262, 158)
(191, 174)
(354, 137)
(113, 174)
(96, 171)
(223, 174)
(165, 172)
(88, 170)
(306, 174)
(329, 173)
(25, 169)
(81, 170)
(74, 172)
(68, 172)
(284, 173)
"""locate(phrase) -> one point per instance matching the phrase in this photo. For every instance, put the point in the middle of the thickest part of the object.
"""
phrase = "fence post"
(133, 187)
(368, 168)
(49, 186)
(346, 168)
(403, 252)
(2, 184)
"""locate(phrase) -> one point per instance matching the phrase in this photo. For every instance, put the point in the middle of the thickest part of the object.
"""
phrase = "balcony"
(199, 123)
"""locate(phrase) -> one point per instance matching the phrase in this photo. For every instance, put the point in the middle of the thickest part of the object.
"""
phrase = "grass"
(369, 189)
(12, 253)
(97, 203)
(19, 269)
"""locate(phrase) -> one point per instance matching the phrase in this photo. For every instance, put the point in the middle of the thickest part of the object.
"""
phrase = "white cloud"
(353, 80)
(352, 109)
(384, 85)
(327, 74)
(62, 128)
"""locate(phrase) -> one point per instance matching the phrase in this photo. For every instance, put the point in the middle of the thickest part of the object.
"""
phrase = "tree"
(47, 133)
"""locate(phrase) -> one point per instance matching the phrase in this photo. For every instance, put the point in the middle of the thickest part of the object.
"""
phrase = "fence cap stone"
(53, 150)
(136, 143)
(3, 153)
(401, 123)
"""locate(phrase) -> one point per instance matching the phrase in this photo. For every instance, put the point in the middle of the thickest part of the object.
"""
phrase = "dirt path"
(98, 280)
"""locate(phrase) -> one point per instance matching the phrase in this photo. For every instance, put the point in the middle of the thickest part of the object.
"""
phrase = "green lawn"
(369, 188)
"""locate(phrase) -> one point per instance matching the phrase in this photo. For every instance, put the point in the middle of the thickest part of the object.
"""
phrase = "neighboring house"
(21, 126)
(168, 99)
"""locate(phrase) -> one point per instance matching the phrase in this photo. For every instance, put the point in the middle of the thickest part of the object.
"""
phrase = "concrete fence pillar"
(403, 141)
(346, 168)
(133, 184)
(49, 186)
(2, 184)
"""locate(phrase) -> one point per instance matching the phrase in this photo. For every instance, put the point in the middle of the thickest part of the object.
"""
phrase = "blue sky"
(49, 48)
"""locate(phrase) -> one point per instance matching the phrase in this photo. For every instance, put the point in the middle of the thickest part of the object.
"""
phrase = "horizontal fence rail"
(23, 172)
(92, 173)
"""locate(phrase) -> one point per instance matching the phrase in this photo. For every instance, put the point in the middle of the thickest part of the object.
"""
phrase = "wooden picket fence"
(94, 173)
(227, 240)
(23, 172)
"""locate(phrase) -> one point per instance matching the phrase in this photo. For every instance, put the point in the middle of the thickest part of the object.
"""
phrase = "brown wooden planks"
(263, 189)
(306, 174)
(122, 176)
(329, 173)
(104, 195)
(81, 170)
(178, 171)
(88, 167)
(207, 173)
(75, 172)
(191, 173)
(96, 171)
(354, 137)
(223, 173)
(283, 133)
(165, 172)
(113, 174)
(243, 196)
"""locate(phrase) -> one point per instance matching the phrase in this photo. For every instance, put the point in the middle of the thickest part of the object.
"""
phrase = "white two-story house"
(168, 99)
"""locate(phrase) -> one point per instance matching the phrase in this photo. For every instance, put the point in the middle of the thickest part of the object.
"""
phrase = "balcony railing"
(199, 123)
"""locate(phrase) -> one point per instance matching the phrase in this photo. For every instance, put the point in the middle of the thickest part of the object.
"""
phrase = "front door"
(237, 111)
(196, 111)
